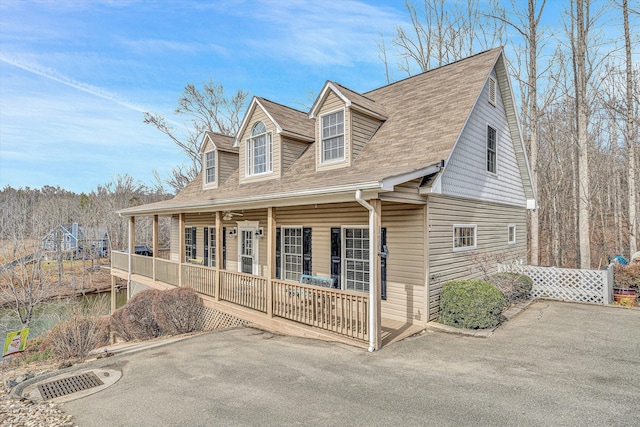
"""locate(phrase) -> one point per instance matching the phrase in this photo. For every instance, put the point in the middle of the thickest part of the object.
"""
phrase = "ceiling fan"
(228, 215)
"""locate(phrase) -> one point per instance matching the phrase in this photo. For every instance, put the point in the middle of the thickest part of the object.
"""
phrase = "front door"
(247, 250)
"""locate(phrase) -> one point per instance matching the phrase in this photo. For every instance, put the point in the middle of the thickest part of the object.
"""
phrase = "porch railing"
(244, 289)
(120, 260)
(342, 312)
(167, 272)
(142, 265)
(201, 279)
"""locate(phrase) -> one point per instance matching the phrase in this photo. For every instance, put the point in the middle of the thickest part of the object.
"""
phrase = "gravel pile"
(24, 412)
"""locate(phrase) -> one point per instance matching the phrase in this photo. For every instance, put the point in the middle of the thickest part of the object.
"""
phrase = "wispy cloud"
(147, 46)
(327, 33)
(51, 74)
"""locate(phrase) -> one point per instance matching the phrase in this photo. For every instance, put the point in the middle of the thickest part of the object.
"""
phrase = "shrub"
(470, 304)
(74, 338)
(117, 324)
(626, 276)
(513, 286)
(139, 321)
(104, 331)
(177, 310)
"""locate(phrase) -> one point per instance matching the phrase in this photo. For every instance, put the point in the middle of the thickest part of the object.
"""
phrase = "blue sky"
(75, 76)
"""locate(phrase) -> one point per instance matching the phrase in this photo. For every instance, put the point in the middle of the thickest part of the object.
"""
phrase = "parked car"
(141, 250)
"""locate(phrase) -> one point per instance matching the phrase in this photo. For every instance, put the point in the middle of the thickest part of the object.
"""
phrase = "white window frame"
(249, 226)
(250, 151)
(210, 169)
(211, 246)
(284, 254)
(511, 237)
(492, 95)
(494, 151)
(323, 160)
(475, 237)
(188, 243)
(344, 261)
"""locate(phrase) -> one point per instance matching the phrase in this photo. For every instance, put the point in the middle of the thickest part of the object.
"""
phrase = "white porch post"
(155, 245)
(181, 253)
(219, 261)
(271, 257)
(132, 245)
(374, 268)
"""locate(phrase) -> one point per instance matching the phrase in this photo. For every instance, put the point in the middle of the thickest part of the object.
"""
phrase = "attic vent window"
(492, 91)
(332, 136)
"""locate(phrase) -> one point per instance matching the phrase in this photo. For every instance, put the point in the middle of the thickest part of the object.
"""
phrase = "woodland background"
(578, 94)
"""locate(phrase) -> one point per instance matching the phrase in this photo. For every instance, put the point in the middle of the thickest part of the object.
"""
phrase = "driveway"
(554, 364)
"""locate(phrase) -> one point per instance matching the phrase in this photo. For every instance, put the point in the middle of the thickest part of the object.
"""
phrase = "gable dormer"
(345, 121)
(219, 159)
(270, 139)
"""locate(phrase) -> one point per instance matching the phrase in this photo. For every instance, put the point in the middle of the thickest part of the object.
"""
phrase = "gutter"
(373, 303)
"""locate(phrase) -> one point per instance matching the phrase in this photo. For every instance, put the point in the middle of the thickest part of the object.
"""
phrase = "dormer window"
(210, 167)
(259, 151)
(332, 136)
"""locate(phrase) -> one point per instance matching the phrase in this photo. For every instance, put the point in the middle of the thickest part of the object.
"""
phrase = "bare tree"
(631, 136)
(207, 109)
(580, 28)
(441, 32)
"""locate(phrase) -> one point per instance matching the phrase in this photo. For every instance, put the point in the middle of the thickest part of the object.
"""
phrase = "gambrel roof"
(421, 118)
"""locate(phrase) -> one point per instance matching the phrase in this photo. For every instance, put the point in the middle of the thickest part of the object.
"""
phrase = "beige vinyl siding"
(492, 221)
(407, 192)
(362, 129)
(175, 239)
(260, 116)
(291, 150)
(227, 165)
(331, 104)
(405, 265)
(405, 240)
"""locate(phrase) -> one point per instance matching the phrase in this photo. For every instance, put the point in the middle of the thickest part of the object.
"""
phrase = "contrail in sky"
(84, 87)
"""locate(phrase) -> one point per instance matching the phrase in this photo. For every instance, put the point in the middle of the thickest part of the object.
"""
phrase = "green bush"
(514, 286)
(471, 304)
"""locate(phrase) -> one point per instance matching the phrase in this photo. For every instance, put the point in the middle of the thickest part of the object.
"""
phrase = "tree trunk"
(579, 52)
(631, 140)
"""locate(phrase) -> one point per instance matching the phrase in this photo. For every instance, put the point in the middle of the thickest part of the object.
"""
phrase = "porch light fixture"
(260, 232)
(233, 232)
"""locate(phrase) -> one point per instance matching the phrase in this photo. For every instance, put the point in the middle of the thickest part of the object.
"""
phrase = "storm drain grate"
(65, 386)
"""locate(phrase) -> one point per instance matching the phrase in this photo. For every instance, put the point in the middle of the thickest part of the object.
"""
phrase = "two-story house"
(374, 198)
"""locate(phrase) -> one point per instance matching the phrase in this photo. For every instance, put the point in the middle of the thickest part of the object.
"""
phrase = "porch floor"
(396, 330)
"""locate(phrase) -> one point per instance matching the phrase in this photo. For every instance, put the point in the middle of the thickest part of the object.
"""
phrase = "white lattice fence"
(594, 286)
(213, 319)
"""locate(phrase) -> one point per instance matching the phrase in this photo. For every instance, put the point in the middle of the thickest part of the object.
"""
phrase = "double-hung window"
(464, 237)
(210, 167)
(492, 149)
(332, 129)
(356, 259)
(189, 243)
(259, 151)
(292, 252)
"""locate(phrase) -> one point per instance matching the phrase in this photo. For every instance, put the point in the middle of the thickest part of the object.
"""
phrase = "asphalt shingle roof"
(425, 115)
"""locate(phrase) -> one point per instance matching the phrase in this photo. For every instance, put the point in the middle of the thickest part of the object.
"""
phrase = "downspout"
(373, 304)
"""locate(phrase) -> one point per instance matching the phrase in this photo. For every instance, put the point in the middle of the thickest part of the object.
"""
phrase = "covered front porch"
(265, 289)
(278, 305)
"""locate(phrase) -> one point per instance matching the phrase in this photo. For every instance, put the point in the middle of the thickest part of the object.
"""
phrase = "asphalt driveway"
(554, 364)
